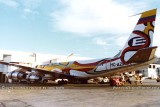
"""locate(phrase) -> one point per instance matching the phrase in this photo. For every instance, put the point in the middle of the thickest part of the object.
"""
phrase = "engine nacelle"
(16, 75)
(34, 78)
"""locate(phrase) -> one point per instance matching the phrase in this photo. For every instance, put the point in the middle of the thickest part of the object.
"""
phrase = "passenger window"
(150, 66)
(153, 66)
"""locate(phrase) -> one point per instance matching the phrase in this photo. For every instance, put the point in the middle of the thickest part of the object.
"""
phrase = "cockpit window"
(153, 66)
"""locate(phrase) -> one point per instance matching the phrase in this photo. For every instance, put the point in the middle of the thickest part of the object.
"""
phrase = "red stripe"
(144, 21)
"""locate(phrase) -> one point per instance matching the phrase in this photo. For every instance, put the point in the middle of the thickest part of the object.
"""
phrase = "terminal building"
(153, 70)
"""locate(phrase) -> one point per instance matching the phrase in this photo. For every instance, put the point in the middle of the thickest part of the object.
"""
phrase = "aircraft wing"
(55, 74)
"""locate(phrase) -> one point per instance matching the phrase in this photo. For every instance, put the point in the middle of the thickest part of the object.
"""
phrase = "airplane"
(137, 52)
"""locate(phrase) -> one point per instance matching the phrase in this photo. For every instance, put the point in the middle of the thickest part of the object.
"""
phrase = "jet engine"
(33, 78)
(16, 75)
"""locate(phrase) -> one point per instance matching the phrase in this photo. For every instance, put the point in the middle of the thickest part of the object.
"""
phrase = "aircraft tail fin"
(141, 37)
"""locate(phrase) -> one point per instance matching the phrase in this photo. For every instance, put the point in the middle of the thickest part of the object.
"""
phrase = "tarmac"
(80, 95)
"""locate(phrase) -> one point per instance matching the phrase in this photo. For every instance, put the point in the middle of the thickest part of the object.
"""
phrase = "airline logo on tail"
(141, 36)
(136, 41)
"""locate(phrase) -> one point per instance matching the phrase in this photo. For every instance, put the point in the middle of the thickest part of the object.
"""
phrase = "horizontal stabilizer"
(143, 55)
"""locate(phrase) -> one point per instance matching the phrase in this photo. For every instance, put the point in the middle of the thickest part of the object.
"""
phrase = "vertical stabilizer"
(141, 37)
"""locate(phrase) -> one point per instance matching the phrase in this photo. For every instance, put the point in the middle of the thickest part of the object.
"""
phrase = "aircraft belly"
(78, 73)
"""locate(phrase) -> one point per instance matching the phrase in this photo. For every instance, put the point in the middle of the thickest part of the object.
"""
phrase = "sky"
(87, 28)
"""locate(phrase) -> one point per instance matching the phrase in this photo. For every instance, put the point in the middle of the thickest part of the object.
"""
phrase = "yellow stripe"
(149, 13)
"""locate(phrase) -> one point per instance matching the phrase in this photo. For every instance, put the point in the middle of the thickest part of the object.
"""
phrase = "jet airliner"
(137, 52)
